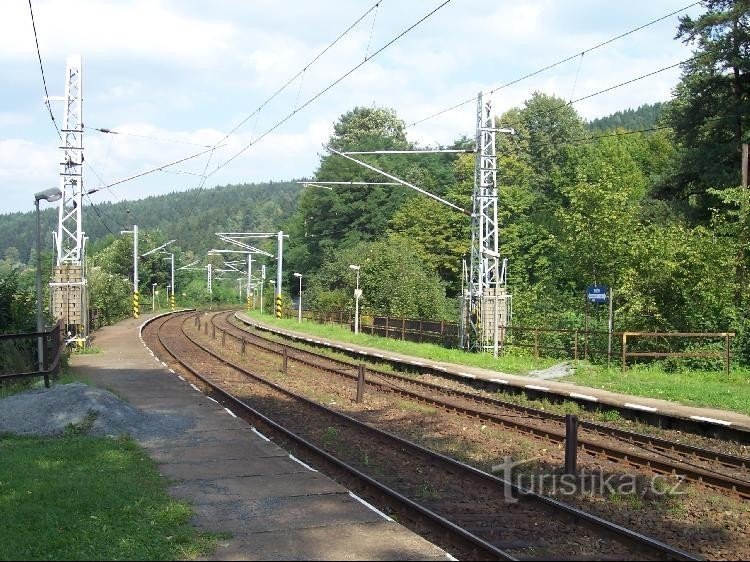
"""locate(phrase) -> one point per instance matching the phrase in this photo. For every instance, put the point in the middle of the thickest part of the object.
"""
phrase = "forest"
(647, 201)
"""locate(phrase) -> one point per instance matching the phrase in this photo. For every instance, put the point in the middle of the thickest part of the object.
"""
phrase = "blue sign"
(597, 293)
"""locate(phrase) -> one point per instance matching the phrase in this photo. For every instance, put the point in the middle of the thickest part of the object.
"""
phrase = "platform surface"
(274, 507)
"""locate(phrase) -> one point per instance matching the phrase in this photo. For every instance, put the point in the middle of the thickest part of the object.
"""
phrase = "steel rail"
(690, 472)
(637, 539)
(447, 526)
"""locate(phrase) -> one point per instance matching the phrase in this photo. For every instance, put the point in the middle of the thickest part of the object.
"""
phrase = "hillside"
(192, 217)
(645, 117)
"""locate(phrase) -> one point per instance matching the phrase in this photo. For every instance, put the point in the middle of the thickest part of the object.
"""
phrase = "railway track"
(497, 518)
(695, 464)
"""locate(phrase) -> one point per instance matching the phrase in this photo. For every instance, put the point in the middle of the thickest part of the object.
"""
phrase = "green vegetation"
(658, 216)
(83, 498)
(698, 388)
(508, 363)
(689, 386)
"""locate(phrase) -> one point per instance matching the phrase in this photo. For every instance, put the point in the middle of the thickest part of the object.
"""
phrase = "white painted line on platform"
(212, 399)
(172, 371)
(348, 349)
(451, 557)
(307, 466)
(710, 420)
(640, 407)
(378, 355)
(259, 434)
(417, 363)
(467, 375)
(195, 387)
(499, 381)
(230, 412)
(372, 507)
(316, 341)
(535, 387)
(163, 363)
(180, 377)
(583, 396)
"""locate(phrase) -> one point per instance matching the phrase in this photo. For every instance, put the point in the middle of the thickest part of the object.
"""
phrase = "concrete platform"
(274, 507)
(542, 388)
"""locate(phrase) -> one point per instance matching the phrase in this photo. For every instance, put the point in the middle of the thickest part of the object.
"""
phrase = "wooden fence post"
(624, 347)
(403, 329)
(575, 348)
(536, 343)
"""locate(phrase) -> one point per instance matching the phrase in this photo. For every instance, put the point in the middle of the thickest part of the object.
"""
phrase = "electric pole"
(69, 284)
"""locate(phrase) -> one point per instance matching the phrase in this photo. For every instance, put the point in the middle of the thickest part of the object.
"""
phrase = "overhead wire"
(51, 114)
(256, 112)
(44, 79)
(150, 137)
(304, 69)
(553, 65)
(327, 88)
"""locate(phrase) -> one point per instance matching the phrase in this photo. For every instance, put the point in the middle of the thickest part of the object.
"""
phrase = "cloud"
(144, 29)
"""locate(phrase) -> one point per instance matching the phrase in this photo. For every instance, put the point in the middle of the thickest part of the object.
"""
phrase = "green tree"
(393, 279)
(711, 105)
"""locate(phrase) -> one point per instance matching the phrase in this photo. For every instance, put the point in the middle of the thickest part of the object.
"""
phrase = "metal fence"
(562, 343)
(19, 354)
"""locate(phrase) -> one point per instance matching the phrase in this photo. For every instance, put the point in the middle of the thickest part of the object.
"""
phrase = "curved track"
(509, 520)
(699, 465)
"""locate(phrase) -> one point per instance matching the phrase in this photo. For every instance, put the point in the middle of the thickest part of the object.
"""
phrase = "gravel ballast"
(49, 411)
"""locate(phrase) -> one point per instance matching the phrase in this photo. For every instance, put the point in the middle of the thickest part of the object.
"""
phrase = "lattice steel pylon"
(485, 310)
(69, 239)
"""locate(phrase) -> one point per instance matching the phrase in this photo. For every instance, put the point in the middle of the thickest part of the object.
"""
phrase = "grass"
(84, 498)
(698, 388)
(508, 363)
(712, 389)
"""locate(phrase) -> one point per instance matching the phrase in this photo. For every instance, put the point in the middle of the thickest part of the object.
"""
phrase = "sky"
(174, 77)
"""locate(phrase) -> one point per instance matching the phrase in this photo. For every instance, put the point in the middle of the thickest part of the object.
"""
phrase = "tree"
(439, 235)
(328, 219)
(711, 105)
(394, 281)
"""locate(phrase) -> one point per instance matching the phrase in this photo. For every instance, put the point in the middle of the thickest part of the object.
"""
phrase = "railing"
(19, 354)
(570, 343)
(724, 354)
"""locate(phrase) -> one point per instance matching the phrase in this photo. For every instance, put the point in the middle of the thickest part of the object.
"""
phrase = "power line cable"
(150, 137)
(324, 90)
(304, 69)
(256, 113)
(553, 65)
(44, 80)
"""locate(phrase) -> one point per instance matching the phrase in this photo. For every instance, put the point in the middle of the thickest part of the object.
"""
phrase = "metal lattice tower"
(485, 301)
(69, 228)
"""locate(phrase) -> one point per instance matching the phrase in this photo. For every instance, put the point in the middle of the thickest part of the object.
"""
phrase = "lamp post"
(299, 303)
(50, 195)
(357, 294)
(153, 296)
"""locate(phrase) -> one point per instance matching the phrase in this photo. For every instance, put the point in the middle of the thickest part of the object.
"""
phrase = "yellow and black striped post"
(278, 306)
(249, 303)
(136, 305)
(171, 301)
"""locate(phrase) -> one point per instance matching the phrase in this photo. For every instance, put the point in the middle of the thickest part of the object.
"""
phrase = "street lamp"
(153, 297)
(357, 294)
(299, 304)
(50, 195)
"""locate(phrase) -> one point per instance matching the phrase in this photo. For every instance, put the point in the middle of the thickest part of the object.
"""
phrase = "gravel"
(49, 411)
(554, 372)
